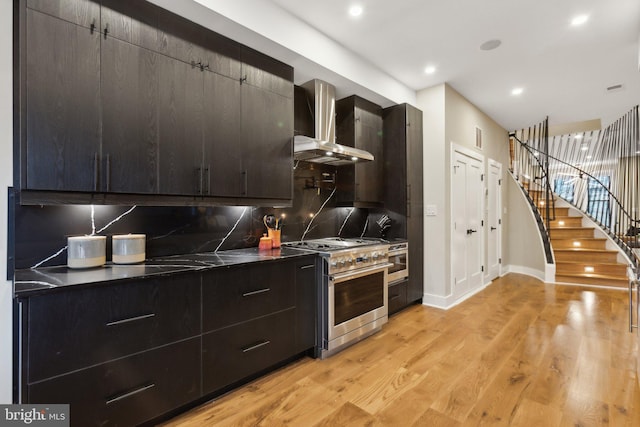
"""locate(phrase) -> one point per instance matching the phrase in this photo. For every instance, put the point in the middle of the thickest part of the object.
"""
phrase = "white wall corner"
(550, 273)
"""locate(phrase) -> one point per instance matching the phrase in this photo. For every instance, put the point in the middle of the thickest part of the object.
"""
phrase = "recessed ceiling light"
(579, 20)
(577, 136)
(356, 10)
(490, 44)
(588, 157)
(430, 70)
(584, 147)
(517, 91)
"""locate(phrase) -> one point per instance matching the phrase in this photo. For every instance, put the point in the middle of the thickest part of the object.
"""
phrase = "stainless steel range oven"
(353, 295)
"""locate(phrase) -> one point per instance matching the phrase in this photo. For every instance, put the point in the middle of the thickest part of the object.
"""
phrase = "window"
(598, 200)
(564, 188)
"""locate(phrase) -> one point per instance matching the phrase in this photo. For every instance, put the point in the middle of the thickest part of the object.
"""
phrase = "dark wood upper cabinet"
(85, 13)
(181, 122)
(130, 117)
(404, 186)
(62, 99)
(267, 143)
(359, 124)
(222, 163)
(146, 102)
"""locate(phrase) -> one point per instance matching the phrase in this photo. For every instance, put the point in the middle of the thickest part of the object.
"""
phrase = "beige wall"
(436, 252)
(6, 156)
(462, 117)
(526, 253)
(449, 119)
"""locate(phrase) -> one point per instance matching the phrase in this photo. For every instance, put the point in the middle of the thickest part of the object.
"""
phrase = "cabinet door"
(368, 175)
(71, 330)
(239, 294)
(62, 104)
(222, 149)
(134, 22)
(84, 13)
(267, 142)
(306, 304)
(236, 353)
(127, 391)
(397, 296)
(130, 117)
(181, 125)
(415, 204)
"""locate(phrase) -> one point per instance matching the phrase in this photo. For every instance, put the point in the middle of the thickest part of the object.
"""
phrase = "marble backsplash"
(41, 231)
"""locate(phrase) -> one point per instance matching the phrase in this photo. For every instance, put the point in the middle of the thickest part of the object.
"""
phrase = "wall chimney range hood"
(322, 148)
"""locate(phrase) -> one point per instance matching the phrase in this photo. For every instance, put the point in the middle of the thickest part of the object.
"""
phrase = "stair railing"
(529, 166)
(608, 212)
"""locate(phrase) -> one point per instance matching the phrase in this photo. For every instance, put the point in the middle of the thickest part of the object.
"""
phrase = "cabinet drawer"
(232, 354)
(79, 328)
(397, 296)
(236, 295)
(127, 391)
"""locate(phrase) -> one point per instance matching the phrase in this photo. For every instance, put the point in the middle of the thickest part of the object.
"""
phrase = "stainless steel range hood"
(322, 148)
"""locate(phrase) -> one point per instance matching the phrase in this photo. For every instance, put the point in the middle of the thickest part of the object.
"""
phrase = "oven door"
(357, 303)
(399, 265)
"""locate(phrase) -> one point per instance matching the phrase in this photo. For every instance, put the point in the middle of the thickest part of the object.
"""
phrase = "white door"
(466, 211)
(494, 221)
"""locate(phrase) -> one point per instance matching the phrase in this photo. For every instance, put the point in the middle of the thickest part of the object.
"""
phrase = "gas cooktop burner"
(332, 243)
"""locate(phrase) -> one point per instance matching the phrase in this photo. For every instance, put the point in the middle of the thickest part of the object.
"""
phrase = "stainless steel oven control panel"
(357, 258)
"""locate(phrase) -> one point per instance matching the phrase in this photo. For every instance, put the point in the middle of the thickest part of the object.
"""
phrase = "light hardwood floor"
(519, 353)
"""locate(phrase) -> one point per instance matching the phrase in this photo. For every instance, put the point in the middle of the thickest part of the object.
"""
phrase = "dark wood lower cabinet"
(232, 354)
(129, 352)
(397, 296)
(127, 391)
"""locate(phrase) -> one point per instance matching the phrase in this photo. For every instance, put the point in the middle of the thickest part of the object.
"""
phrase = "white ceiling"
(381, 56)
(563, 70)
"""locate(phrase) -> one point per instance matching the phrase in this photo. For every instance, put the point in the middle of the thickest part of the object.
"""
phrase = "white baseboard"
(526, 271)
(449, 301)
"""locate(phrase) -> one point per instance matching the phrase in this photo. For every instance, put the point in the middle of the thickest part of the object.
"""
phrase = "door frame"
(473, 154)
(498, 165)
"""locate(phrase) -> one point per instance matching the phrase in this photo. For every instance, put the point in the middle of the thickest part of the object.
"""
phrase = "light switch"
(431, 210)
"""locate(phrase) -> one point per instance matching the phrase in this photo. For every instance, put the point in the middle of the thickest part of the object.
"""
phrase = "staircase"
(581, 256)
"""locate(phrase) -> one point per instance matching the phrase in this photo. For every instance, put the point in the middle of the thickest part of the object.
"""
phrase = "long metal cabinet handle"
(259, 291)
(207, 181)
(96, 170)
(130, 393)
(131, 319)
(304, 267)
(255, 347)
(245, 183)
(199, 181)
(108, 172)
(361, 273)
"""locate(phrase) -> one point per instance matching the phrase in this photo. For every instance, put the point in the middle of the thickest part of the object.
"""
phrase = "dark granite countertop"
(31, 282)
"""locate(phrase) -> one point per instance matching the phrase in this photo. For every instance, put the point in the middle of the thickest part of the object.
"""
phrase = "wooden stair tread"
(586, 250)
(573, 228)
(599, 239)
(590, 263)
(593, 276)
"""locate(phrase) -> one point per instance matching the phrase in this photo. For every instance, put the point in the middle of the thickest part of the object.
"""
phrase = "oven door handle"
(359, 273)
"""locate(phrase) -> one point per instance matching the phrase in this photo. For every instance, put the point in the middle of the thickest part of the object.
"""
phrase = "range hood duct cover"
(322, 147)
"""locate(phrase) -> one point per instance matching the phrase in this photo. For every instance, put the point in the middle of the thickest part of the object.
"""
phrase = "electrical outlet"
(431, 210)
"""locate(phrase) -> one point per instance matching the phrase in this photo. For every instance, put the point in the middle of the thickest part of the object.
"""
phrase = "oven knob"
(365, 258)
(342, 262)
(334, 263)
(351, 261)
(374, 256)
